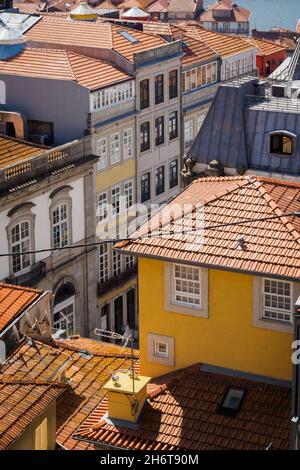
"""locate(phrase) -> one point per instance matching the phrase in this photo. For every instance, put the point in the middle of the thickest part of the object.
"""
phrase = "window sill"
(275, 325)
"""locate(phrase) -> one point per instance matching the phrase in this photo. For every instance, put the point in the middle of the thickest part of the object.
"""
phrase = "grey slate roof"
(237, 129)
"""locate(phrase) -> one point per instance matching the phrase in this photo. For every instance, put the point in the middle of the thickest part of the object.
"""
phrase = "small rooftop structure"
(12, 42)
(135, 13)
(184, 411)
(83, 12)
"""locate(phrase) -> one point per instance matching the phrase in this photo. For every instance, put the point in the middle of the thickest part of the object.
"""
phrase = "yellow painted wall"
(27, 440)
(115, 174)
(226, 338)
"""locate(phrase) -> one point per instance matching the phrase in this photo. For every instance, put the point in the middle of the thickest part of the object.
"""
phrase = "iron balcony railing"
(116, 281)
(31, 278)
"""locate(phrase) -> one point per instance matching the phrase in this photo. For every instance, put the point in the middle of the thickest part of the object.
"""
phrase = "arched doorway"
(64, 309)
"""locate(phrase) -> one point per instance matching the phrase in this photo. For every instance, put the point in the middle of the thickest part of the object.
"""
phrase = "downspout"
(295, 421)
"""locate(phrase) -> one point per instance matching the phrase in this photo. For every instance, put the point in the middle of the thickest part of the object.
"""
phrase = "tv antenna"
(126, 338)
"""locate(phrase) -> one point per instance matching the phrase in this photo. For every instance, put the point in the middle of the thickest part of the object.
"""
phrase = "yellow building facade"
(228, 332)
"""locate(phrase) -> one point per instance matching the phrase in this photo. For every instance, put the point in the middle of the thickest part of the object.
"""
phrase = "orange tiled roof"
(86, 375)
(161, 29)
(181, 413)
(64, 65)
(196, 51)
(14, 300)
(15, 150)
(22, 401)
(264, 47)
(272, 246)
(103, 35)
(224, 44)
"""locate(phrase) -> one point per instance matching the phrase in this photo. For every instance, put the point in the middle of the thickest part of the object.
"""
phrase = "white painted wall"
(228, 62)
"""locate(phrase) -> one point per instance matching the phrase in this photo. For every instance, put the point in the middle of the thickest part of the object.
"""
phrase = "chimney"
(126, 396)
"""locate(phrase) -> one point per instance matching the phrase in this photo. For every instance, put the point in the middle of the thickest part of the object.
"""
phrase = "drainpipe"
(295, 421)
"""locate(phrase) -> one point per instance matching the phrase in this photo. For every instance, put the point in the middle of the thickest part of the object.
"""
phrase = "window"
(128, 192)
(115, 200)
(103, 262)
(159, 180)
(115, 148)
(112, 96)
(129, 262)
(232, 401)
(104, 320)
(41, 436)
(128, 36)
(159, 130)
(188, 133)
(116, 263)
(186, 285)
(173, 125)
(101, 150)
(127, 143)
(64, 316)
(20, 243)
(173, 173)
(145, 136)
(131, 307)
(60, 226)
(173, 84)
(102, 207)
(144, 94)
(118, 310)
(282, 144)
(277, 300)
(200, 76)
(159, 89)
(145, 187)
(160, 349)
(200, 120)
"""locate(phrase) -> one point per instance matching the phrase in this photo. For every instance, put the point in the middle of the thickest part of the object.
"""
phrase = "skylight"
(128, 36)
(232, 401)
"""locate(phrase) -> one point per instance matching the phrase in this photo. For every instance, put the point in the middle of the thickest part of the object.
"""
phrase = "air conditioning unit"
(279, 91)
(42, 139)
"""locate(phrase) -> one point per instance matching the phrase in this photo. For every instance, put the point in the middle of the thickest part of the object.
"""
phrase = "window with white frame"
(127, 143)
(277, 300)
(129, 262)
(101, 150)
(112, 96)
(102, 207)
(186, 285)
(103, 262)
(64, 316)
(116, 264)
(115, 148)
(115, 200)
(128, 193)
(188, 132)
(200, 76)
(161, 349)
(20, 243)
(60, 234)
(200, 120)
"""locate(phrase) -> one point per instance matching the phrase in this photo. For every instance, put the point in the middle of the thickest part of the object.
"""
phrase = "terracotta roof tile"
(63, 65)
(264, 416)
(15, 150)
(271, 246)
(87, 375)
(264, 47)
(223, 44)
(100, 35)
(22, 401)
(14, 300)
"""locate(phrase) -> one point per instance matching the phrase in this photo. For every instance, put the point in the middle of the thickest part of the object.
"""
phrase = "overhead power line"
(158, 233)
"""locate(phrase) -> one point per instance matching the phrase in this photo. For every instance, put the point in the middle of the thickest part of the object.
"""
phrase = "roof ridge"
(12, 380)
(275, 208)
(67, 54)
(22, 288)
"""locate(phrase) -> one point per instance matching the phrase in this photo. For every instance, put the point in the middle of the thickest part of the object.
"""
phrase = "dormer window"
(281, 144)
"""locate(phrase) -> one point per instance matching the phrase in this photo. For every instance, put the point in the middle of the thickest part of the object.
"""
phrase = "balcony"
(116, 281)
(30, 279)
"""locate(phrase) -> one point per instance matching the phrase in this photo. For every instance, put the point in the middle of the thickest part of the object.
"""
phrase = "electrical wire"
(158, 233)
